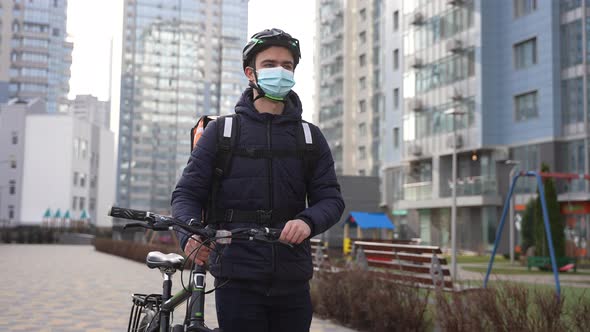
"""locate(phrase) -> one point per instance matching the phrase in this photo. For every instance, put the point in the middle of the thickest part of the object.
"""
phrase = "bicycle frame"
(196, 291)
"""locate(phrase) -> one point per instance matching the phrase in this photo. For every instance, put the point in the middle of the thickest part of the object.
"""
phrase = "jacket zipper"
(270, 194)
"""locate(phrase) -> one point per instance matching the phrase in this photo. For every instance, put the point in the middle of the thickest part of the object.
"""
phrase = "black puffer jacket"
(263, 184)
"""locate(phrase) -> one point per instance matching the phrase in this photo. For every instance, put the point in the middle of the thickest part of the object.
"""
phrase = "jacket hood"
(292, 111)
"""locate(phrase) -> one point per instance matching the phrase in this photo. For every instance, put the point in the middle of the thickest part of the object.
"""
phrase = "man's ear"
(249, 71)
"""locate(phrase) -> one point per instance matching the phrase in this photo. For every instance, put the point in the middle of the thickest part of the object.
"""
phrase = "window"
(82, 180)
(362, 106)
(396, 20)
(362, 60)
(92, 204)
(396, 137)
(363, 37)
(76, 175)
(525, 53)
(396, 59)
(11, 212)
(74, 203)
(524, 7)
(396, 98)
(363, 14)
(12, 187)
(362, 152)
(13, 163)
(14, 137)
(362, 129)
(82, 203)
(571, 47)
(526, 106)
(362, 83)
(76, 147)
(362, 172)
(84, 148)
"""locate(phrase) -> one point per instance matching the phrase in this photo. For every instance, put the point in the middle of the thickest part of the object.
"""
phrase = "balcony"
(472, 186)
(418, 191)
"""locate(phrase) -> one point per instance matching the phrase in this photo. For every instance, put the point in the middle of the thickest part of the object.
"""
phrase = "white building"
(59, 162)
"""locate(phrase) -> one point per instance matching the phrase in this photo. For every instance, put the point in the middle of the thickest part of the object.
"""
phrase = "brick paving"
(74, 288)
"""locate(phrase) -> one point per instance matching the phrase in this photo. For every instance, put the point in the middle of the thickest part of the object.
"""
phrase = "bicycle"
(153, 312)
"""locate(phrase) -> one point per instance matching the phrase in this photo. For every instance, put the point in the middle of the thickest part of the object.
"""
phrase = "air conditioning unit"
(418, 19)
(457, 2)
(415, 149)
(455, 46)
(417, 63)
(457, 96)
(458, 141)
(416, 105)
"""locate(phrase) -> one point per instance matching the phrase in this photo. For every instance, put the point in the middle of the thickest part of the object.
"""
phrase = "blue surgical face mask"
(276, 82)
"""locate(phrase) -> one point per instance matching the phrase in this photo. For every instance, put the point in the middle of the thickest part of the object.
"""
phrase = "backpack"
(228, 130)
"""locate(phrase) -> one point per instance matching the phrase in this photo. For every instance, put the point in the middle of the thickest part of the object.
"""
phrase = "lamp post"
(514, 164)
(454, 112)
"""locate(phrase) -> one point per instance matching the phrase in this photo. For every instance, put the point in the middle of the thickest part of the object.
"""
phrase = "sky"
(95, 25)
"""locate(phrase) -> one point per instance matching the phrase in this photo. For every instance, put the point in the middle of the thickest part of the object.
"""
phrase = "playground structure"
(539, 176)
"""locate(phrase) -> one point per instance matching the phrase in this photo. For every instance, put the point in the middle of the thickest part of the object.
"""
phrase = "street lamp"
(514, 164)
(454, 112)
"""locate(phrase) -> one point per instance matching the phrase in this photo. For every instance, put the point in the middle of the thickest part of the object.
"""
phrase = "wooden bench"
(417, 265)
(319, 255)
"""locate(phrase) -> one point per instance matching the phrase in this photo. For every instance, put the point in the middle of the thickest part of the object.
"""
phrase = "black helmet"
(267, 38)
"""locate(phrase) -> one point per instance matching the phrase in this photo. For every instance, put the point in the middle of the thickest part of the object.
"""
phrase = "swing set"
(539, 176)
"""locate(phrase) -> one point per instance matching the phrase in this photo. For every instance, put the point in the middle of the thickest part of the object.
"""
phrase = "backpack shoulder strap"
(306, 142)
(228, 130)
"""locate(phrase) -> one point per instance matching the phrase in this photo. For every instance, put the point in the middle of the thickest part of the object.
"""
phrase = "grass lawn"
(517, 269)
(478, 259)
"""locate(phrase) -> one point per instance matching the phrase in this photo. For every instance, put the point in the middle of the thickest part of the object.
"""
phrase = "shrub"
(510, 307)
(365, 301)
(132, 250)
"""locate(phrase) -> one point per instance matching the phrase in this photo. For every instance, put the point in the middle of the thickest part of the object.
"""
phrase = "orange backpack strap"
(198, 129)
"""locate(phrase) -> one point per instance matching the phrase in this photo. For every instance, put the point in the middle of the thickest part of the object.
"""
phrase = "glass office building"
(181, 60)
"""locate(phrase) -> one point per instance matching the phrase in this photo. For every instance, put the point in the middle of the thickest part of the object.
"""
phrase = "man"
(263, 287)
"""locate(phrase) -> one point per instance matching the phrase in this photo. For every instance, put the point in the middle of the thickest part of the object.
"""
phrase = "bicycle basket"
(144, 312)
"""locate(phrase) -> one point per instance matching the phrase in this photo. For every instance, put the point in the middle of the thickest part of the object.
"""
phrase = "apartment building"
(35, 56)
(498, 82)
(349, 95)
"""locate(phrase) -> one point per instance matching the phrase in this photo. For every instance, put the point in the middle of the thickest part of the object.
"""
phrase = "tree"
(555, 223)
(528, 223)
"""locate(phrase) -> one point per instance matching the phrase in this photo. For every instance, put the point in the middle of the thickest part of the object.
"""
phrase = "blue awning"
(366, 220)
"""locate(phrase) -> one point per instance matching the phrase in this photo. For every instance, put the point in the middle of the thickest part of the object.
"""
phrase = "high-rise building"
(181, 59)
(349, 82)
(499, 82)
(35, 56)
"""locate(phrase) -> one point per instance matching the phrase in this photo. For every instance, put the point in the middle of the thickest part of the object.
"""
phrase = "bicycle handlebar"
(158, 222)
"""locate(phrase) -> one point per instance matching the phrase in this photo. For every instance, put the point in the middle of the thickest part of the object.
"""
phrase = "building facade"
(35, 56)
(349, 92)
(181, 60)
(67, 172)
(499, 83)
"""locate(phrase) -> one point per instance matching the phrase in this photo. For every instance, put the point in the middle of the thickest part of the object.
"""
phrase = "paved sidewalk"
(74, 288)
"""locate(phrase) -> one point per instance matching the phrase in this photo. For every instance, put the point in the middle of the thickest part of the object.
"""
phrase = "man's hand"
(295, 231)
(200, 256)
